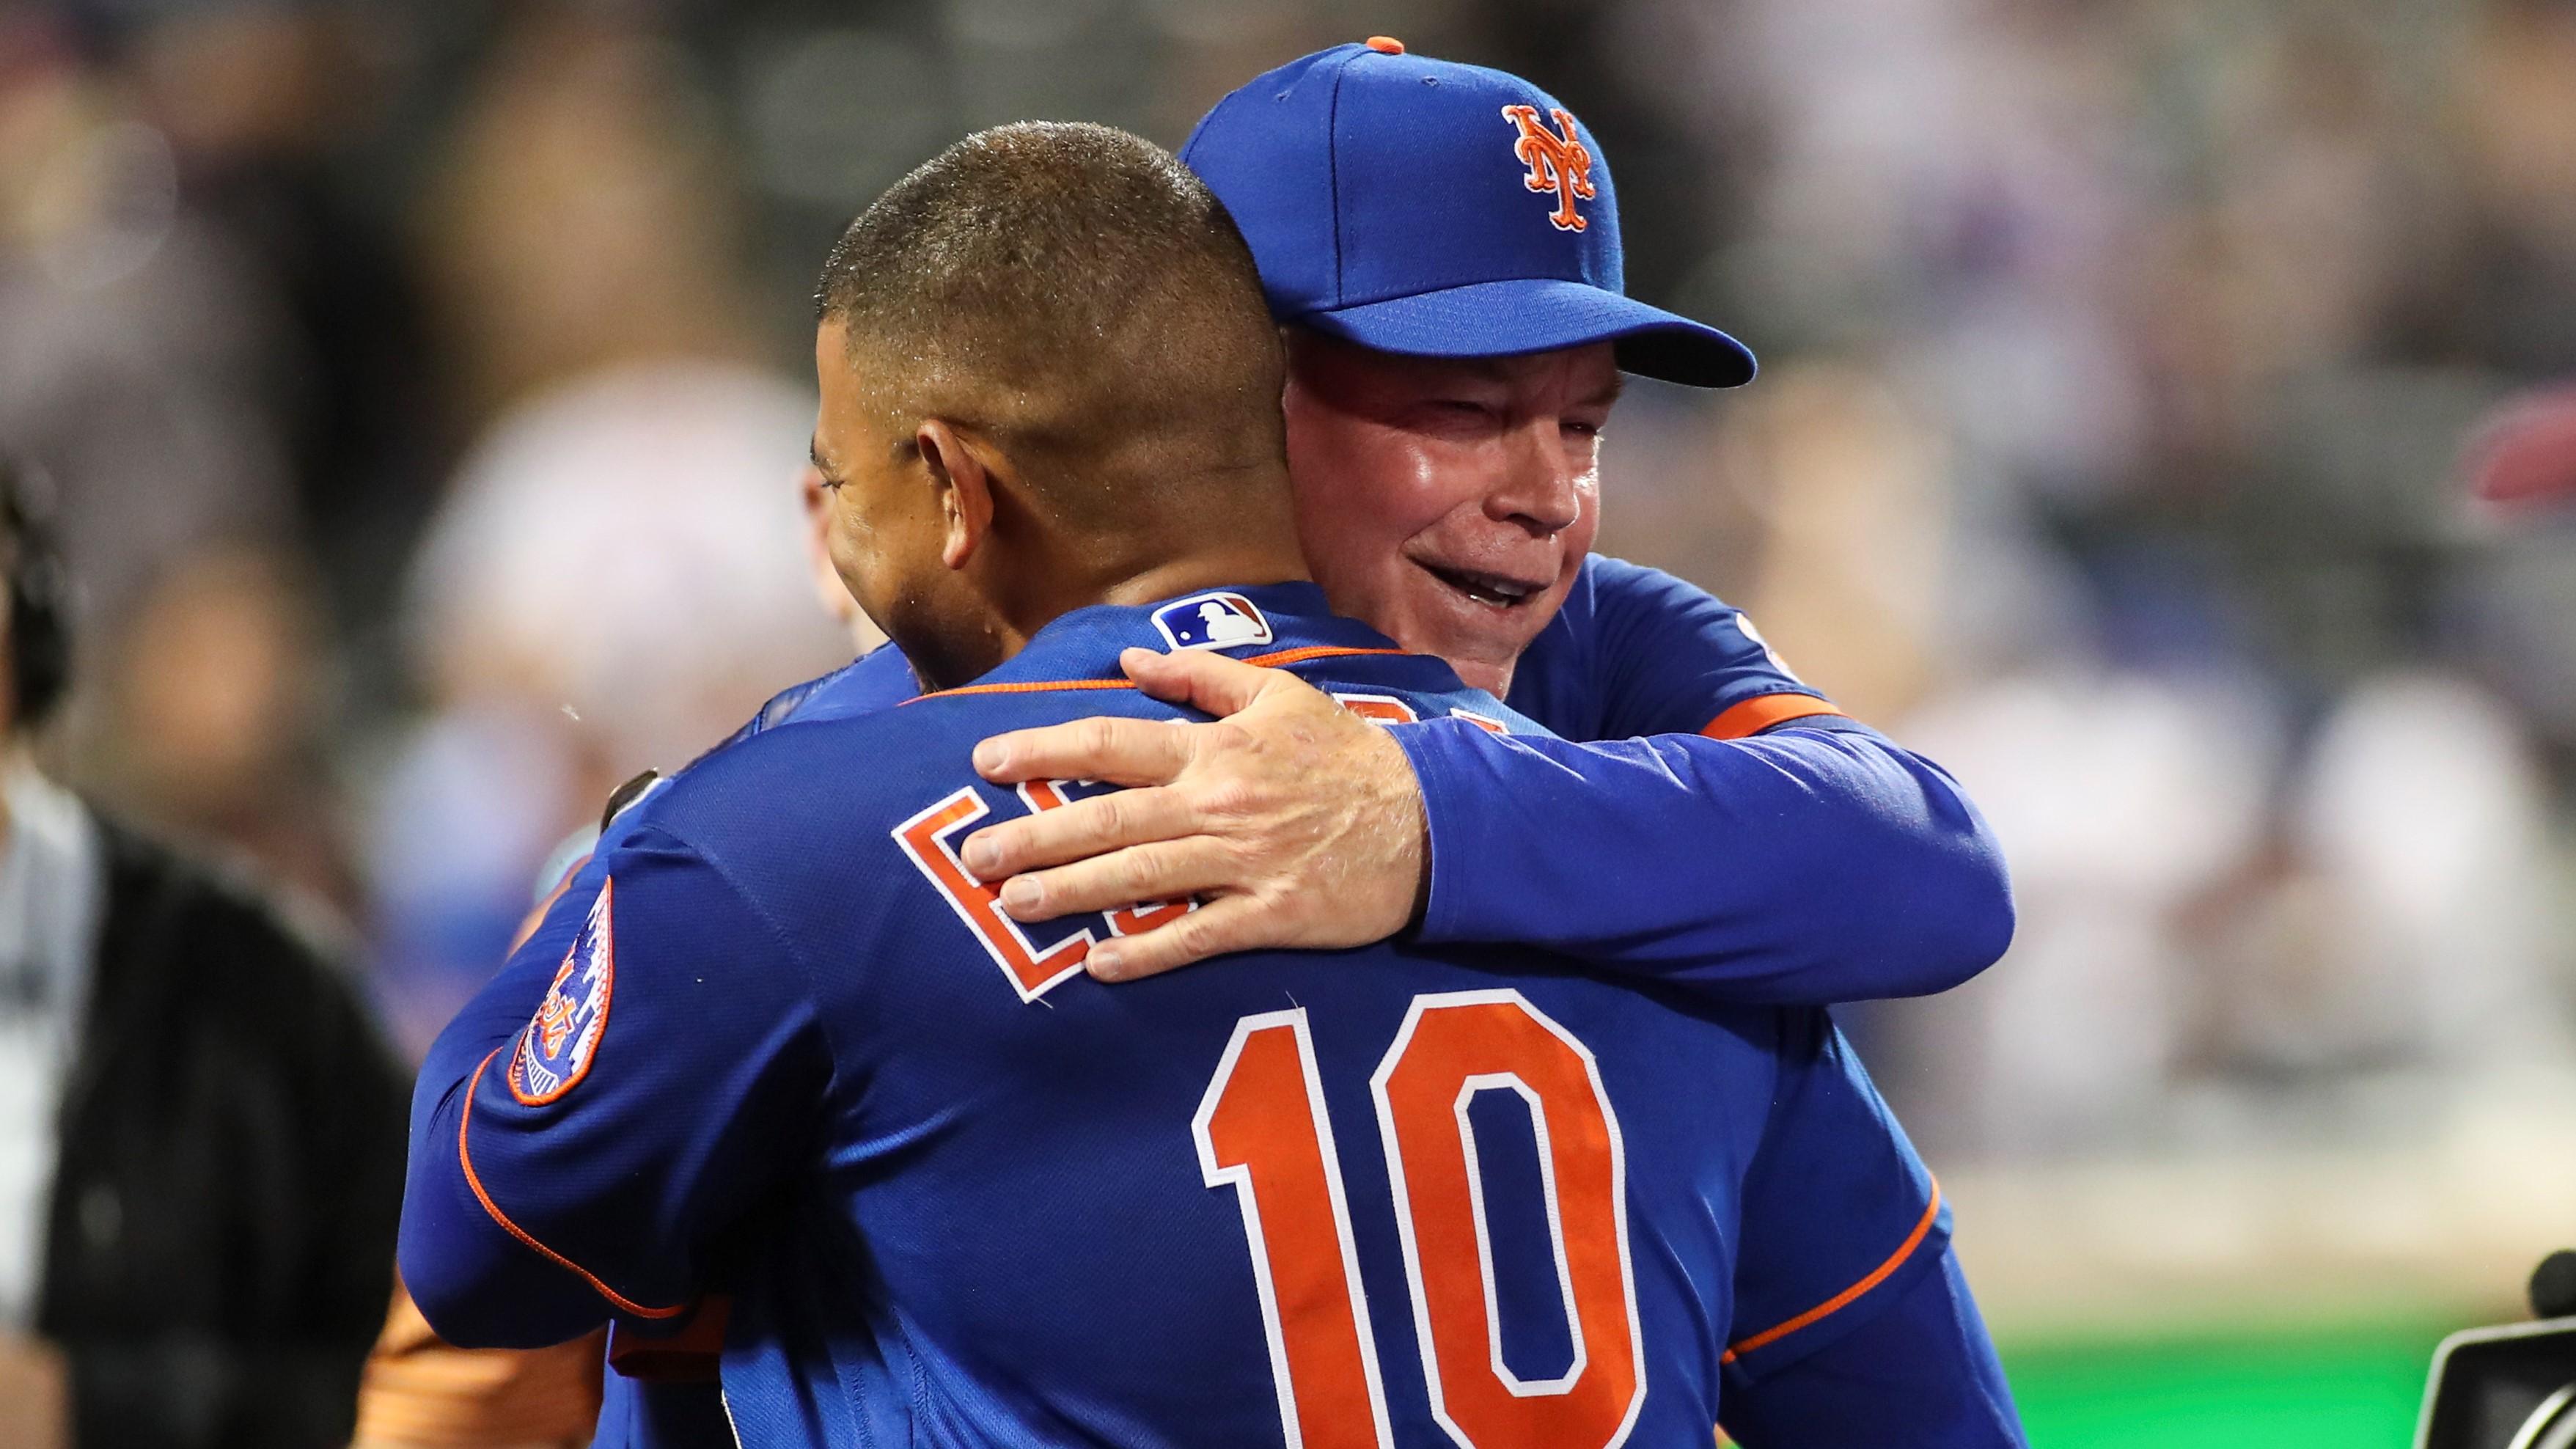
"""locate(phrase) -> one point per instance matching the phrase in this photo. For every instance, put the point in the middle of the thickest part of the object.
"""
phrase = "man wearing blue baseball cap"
(1612, 1212)
(1442, 243)
(1433, 209)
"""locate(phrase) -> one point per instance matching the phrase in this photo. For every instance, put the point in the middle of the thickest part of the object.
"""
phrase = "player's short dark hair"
(1078, 294)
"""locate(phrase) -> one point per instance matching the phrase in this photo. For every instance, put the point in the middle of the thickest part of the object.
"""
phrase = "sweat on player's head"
(1045, 360)
(1078, 295)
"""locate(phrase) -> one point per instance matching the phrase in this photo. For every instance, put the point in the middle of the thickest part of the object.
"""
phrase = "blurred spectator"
(215, 703)
(612, 586)
(2115, 356)
(582, 217)
(2514, 86)
(2120, 798)
(2419, 815)
(143, 348)
(200, 1132)
(185, 189)
(207, 343)
(274, 112)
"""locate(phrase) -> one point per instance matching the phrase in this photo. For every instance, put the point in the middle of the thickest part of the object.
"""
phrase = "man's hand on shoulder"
(1299, 823)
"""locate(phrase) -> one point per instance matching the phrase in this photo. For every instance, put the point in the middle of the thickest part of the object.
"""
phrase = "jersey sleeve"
(1840, 1218)
(1922, 1372)
(879, 679)
(1797, 867)
(586, 1130)
(1662, 656)
(1769, 850)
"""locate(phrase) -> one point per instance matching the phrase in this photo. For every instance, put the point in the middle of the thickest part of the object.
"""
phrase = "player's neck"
(1191, 538)
(1177, 553)
(1238, 566)
(1030, 594)
(1146, 580)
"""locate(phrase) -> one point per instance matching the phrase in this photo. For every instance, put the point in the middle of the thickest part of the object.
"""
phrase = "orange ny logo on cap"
(1556, 162)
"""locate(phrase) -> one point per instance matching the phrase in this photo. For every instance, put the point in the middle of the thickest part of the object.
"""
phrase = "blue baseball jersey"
(879, 679)
(1633, 651)
(1775, 852)
(1636, 651)
(1771, 849)
(963, 1194)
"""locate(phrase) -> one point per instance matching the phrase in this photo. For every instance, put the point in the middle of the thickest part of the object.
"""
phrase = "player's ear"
(965, 490)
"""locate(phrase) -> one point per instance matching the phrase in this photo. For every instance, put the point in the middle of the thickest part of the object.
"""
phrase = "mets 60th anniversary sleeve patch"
(556, 1050)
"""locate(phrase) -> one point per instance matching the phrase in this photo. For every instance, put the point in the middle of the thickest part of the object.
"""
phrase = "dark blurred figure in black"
(200, 1132)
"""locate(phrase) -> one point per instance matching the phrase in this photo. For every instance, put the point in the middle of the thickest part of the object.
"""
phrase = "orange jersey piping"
(465, 1156)
(1262, 661)
(1753, 716)
(1848, 1296)
(1313, 651)
(1032, 686)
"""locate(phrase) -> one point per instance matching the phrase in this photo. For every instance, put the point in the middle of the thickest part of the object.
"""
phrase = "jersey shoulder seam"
(1847, 1297)
(768, 922)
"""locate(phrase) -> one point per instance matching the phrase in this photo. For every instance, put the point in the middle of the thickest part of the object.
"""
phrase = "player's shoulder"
(1395, 687)
(878, 679)
(1622, 611)
(786, 820)
(789, 790)
(1612, 586)
(822, 770)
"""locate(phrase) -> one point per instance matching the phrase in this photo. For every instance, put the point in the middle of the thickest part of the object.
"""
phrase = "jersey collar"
(1275, 624)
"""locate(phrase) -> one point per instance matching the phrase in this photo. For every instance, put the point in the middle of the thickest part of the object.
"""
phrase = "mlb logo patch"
(1212, 621)
(556, 1050)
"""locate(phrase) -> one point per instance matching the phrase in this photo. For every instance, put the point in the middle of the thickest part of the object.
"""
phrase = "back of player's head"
(1079, 296)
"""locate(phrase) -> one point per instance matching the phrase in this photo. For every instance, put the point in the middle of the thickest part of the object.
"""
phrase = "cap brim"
(1499, 319)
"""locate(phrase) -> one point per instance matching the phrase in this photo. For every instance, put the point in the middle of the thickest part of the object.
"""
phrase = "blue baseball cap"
(1426, 207)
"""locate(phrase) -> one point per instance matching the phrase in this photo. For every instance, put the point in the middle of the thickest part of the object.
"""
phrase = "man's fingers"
(1199, 679)
(1222, 925)
(1120, 751)
(1140, 874)
(1084, 828)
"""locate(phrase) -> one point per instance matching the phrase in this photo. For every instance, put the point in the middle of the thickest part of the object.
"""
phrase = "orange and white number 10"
(1262, 1130)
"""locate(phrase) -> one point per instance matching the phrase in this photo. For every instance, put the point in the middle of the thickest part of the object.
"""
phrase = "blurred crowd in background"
(422, 388)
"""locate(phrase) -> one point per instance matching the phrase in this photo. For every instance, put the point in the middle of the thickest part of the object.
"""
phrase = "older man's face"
(1448, 502)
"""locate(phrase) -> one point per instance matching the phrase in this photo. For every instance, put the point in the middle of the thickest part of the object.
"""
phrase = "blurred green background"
(2327, 1389)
